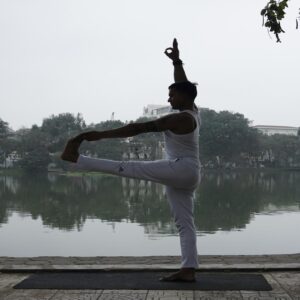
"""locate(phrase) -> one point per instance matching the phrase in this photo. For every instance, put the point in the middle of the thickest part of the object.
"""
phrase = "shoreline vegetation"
(227, 141)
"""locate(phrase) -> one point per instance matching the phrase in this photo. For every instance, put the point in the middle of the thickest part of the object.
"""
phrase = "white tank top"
(184, 145)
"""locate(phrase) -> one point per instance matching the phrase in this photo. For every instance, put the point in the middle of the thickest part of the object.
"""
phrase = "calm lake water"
(96, 215)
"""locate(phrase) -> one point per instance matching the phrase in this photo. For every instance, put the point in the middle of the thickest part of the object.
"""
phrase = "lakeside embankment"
(282, 272)
(206, 262)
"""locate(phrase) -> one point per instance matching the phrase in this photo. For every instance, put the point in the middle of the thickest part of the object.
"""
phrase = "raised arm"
(173, 54)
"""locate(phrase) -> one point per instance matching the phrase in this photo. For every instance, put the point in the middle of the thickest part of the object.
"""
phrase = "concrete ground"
(281, 271)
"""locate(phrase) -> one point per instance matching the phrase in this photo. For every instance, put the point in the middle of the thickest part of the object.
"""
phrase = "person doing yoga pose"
(179, 172)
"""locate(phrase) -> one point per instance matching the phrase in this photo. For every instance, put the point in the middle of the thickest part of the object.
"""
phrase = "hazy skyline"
(99, 57)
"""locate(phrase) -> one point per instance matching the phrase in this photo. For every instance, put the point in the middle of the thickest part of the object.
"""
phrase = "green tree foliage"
(7, 144)
(4, 129)
(273, 13)
(281, 150)
(58, 129)
(225, 138)
(34, 153)
(35, 160)
(110, 148)
(226, 135)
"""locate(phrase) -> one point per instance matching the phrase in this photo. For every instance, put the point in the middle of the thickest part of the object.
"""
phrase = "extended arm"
(129, 130)
(182, 122)
(173, 54)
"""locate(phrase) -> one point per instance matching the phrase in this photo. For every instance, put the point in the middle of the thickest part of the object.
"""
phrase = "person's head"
(182, 94)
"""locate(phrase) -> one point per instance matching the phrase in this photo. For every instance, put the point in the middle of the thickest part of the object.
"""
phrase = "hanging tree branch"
(274, 13)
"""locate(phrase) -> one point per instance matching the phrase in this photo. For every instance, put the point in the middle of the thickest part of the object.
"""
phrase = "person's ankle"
(70, 157)
(76, 156)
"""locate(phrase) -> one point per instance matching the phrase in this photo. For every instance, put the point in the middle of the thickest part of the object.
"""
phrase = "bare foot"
(71, 151)
(185, 275)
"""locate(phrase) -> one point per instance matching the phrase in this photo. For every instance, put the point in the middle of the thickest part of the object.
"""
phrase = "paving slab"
(123, 294)
(29, 295)
(222, 295)
(170, 295)
(77, 295)
(290, 282)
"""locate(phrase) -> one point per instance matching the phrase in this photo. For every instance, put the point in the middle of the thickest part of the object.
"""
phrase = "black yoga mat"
(142, 280)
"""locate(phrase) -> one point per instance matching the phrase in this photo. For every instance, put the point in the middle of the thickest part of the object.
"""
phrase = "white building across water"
(271, 129)
(157, 111)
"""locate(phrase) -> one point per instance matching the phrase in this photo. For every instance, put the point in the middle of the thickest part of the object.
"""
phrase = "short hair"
(185, 87)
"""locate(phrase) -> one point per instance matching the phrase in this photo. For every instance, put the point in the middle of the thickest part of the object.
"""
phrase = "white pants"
(181, 177)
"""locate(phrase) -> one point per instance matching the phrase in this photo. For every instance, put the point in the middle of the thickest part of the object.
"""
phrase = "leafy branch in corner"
(274, 13)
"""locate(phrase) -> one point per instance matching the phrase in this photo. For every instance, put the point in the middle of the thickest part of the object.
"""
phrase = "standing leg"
(182, 208)
(182, 202)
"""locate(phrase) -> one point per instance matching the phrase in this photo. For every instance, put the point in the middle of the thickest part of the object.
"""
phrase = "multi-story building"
(271, 129)
(157, 111)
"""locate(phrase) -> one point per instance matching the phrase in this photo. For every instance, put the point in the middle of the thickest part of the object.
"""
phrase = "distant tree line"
(226, 141)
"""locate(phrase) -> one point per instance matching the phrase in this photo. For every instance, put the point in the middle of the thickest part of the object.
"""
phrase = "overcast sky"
(97, 57)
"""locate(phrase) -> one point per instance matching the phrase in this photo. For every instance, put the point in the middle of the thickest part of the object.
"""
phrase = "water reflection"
(224, 201)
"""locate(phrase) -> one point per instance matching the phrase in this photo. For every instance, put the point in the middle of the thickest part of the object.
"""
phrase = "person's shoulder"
(176, 121)
(187, 117)
(189, 113)
(184, 115)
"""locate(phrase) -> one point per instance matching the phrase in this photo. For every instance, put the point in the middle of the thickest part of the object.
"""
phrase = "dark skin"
(180, 123)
